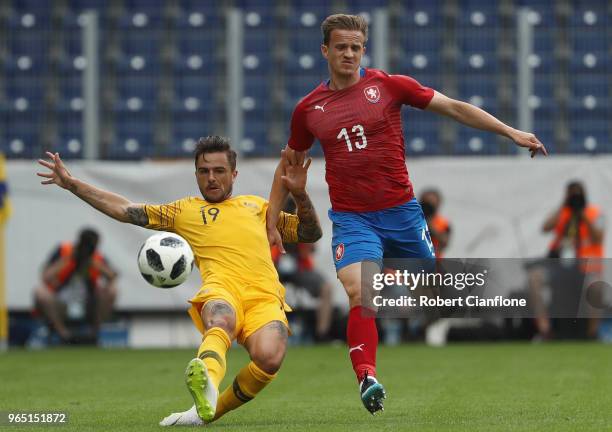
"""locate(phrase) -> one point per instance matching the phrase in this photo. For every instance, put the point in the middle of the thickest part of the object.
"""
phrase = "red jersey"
(360, 130)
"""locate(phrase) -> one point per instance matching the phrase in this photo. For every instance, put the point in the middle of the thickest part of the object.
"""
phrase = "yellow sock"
(212, 352)
(249, 381)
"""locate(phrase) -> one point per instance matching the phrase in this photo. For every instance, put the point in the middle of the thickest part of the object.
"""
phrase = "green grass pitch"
(516, 387)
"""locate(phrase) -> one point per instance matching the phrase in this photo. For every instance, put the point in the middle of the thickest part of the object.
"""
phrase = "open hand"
(296, 174)
(59, 175)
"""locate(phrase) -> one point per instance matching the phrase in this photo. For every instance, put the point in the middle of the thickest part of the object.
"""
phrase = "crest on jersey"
(372, 94)
(250, 204)
(339, 251)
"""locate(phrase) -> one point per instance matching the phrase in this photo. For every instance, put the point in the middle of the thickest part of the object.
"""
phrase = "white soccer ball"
(165, 260)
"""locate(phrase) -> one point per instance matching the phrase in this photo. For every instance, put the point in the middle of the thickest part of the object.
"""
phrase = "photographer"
(439, 226)
(78, 287)
(578, 226)
(578, 229)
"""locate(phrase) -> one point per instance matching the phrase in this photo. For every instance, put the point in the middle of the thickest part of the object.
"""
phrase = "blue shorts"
(396, 232)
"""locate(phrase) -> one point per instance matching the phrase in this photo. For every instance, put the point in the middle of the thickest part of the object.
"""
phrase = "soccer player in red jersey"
(355, 115)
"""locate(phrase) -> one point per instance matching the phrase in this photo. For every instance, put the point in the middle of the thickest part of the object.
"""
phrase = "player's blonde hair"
(343, 22)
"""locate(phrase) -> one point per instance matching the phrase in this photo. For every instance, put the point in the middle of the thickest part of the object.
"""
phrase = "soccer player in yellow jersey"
(241, 297)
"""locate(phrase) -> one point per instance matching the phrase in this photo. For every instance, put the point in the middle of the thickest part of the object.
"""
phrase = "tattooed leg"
(267, 346)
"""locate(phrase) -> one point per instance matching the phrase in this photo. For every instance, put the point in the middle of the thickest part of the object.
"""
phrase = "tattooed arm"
(308, 227)
(109, 203)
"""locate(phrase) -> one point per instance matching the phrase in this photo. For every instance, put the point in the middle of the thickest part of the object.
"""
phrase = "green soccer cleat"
(202, 390)
(372, 394)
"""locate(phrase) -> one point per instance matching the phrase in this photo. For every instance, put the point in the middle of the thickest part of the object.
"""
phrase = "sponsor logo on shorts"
(339, 251)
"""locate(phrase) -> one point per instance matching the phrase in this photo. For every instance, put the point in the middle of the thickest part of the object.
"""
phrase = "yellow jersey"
(228, 239)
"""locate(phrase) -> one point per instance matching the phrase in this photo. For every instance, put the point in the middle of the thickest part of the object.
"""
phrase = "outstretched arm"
(308, 228)
(278, 195)
(109, 203)
(475, 117)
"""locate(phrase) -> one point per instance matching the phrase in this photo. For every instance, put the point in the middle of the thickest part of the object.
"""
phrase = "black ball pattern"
(153, 257)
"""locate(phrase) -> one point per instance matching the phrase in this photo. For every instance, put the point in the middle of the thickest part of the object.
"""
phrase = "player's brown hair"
(215, 144)
(343, 22)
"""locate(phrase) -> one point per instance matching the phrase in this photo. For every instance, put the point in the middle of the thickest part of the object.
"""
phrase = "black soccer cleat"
(372, 394)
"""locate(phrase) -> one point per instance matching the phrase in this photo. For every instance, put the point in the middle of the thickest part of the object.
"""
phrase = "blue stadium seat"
(475, 142)
(69, 145)
(478, 62)
(591, 140)
(206, 7)
(258, 48)
(81, 5)
(195, 87)
(590, 84)
(145, 43)
(416, 40)
(305, 39)
(21, 138)
(420, 63)
(589, 62)
(421, 14)
(477, 14)
(73, 40)
(420, 132)
(194, 41)
(589, 15)
(137, 93)
(364, 5)
(478, 41)
(423, 142)
(544, 113)
(187, 129)
(24, 93)
(257, 15)
(543, 16)
(191, 124)
(134, 138)
(590, 98)
(545, 132)
(307, 18)
(588, 40)
(255, 141)
(306, 63)
(259, 87)
(543, 86)
(542, 62)
(147, 6)
(31, 6)
(196, 48)
(480, 90)
(30, 43)
(543, 41)
(301, 85)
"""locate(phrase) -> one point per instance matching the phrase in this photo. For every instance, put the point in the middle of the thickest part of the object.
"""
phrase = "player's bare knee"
(354, 297)
(269, 360)
(268, 352)
(218, 313)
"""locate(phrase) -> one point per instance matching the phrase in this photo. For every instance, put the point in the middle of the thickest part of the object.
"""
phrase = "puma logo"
(355, 348)
(321, 107)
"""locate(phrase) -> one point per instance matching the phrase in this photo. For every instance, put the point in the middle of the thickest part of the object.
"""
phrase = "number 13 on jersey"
(359, 132)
